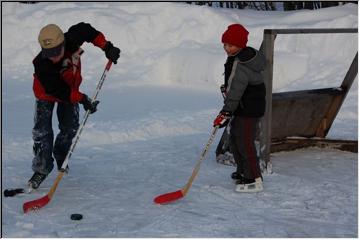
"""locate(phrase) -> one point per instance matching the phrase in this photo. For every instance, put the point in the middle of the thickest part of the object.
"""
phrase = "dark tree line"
(288, 6)
(271, 6)
(263, 6)
(238, 5)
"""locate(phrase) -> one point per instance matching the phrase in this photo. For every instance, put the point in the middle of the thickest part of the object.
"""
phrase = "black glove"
(88, 105)
(111, 52)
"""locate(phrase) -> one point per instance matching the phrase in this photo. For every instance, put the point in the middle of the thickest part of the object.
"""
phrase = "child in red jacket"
(57, 78)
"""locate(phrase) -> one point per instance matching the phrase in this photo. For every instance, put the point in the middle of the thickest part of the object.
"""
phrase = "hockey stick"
(173, 196)
(41, 202)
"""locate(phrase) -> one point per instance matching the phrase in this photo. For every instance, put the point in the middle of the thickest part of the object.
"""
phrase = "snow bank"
(175, 43)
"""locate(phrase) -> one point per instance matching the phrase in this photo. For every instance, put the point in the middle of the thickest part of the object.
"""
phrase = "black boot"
(59, 163)
(36, 180)
(236, 176)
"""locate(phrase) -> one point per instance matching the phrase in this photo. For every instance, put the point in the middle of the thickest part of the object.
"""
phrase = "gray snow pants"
(43, 136)
(242, 145)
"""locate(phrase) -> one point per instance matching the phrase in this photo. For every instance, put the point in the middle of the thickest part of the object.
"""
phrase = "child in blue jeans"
(57, 78)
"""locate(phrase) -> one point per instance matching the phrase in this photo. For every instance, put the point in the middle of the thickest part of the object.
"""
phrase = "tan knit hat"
(51, 39)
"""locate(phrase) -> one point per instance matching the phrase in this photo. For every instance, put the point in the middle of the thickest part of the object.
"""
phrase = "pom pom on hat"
(235, 35)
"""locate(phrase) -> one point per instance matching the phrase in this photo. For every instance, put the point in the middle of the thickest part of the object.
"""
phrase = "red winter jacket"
(55, 82)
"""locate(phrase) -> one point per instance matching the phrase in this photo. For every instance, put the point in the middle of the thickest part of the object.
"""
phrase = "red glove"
(222, 119)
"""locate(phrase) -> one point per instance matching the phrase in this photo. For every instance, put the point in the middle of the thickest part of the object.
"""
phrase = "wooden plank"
(298, 117)
(334, 108)
(265, 129)
(310, 30)
(350, 75)
(306, 93)
(290, 144)
(299, 113)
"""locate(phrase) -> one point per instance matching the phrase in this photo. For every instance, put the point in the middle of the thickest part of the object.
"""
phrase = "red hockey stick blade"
(168, 197)
(36, 204)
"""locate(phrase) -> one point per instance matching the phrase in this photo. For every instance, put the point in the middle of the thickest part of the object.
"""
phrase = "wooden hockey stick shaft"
(173, 196)
(196, 169)
(56, 183)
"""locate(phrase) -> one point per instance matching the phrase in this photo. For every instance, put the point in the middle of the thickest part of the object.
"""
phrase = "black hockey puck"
(13, 192)
(76, 216)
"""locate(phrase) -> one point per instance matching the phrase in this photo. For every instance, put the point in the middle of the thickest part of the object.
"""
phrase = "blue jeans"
(44, 147)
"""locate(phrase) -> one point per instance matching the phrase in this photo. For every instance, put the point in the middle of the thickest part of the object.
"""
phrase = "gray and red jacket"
(245, 88)
(54, 83)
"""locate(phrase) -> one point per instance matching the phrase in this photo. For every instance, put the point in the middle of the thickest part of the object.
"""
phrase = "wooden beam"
(265, 129)
(310, 30)
(335, 106)
(290, 144)
(299, 113)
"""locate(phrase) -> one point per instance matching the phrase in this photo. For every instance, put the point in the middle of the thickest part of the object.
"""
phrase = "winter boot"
(36, 180)
(236, 176)
(249, 185)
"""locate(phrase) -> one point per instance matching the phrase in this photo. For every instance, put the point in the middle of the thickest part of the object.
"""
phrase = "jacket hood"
(252, 58)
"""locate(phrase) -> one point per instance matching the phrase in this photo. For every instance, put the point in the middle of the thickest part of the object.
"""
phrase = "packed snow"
(155, 116)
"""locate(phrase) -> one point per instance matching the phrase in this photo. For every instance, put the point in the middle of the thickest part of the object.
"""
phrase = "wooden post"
(334, 108)
(265, 130)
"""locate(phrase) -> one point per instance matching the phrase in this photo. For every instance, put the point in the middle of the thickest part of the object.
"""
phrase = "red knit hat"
(235, 35)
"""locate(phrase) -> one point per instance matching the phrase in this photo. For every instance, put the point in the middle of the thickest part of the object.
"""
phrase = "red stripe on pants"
(249, 146)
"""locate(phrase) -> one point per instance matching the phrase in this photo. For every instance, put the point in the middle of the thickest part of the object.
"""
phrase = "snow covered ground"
(155, 115)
